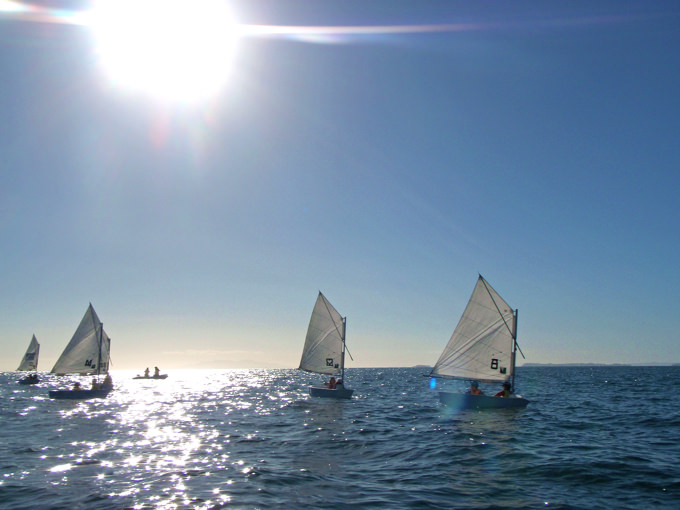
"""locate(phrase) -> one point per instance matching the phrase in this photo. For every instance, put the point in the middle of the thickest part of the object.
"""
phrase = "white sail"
(323, 351)
(483, 344)
(30, 359)
(88, 350)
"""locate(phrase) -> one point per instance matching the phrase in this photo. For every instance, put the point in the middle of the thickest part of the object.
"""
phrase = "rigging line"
(498, 309)
(347, 351)
(520, 350)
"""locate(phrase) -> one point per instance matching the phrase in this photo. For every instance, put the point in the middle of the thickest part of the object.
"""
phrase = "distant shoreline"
(599, 365)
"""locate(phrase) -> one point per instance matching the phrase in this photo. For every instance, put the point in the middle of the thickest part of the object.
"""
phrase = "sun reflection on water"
(180, 429)
(160, 443)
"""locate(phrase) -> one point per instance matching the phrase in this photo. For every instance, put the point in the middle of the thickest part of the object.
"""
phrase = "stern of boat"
(324, 392)
(468, 401)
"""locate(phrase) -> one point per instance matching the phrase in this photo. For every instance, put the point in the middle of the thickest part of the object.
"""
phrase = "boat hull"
(28, 381)
(163, 376)
(78, 394)
(468, 401)
(324, 392)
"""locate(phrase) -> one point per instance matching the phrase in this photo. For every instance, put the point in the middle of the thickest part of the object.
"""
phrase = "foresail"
(481, 346)
(82, 354)
(30, 359)
(322, 352)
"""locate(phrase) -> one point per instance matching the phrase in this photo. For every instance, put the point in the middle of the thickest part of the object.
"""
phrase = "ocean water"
(601, 437)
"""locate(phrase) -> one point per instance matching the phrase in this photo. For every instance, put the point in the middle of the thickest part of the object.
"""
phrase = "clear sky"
(386, 162)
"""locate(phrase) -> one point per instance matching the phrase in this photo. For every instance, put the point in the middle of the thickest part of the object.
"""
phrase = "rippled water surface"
(602, 437)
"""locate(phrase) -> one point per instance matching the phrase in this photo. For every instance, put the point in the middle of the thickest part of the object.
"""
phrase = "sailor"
(107, 382)
(474, 388)
(331, 383)
(156, 371)
(505, 392)
(146, 372)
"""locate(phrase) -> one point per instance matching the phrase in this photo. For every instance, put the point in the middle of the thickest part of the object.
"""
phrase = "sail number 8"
(494, 366)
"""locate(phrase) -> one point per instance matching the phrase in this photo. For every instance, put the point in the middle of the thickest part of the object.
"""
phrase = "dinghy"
(86, 354)
(160, 376)
(324, 350)
(481, 348)
(79, 394)
(29, 363)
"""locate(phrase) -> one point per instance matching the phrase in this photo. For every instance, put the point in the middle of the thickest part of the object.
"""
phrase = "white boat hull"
(468, 401)
(325, 392)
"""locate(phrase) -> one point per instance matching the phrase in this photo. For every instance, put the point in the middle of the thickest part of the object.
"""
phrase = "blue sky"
(533, 142)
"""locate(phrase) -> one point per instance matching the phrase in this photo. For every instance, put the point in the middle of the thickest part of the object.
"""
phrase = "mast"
(514, 347)
(342, 357)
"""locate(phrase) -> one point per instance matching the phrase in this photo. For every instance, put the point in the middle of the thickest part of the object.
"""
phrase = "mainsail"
(88, 350)
(324, 351)
(30, 359)
(483, 344)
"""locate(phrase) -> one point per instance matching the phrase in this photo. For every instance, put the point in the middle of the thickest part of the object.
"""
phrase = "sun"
(169, 49)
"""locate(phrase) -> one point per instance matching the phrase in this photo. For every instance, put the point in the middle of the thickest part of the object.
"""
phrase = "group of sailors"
(335, 385)
(106, 384)
(505, 392)
(156, 372)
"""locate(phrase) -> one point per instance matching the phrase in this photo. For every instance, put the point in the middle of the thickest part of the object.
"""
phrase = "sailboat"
(482, 348)
(86, 354)
(30, 363)
(324, 350)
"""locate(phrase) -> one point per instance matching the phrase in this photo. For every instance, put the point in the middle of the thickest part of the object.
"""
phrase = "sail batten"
(30, 360)
(324, 343)
(89, 348)
(482, 345)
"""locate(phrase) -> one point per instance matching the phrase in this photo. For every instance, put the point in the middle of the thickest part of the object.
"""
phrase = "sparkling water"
(600, 437)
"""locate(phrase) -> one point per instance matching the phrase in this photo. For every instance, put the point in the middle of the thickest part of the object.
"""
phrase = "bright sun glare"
(170, 49)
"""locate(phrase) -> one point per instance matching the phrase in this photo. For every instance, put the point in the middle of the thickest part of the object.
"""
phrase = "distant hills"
(650, 364)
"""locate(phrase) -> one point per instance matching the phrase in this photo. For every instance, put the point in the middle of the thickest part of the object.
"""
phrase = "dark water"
(604, 437)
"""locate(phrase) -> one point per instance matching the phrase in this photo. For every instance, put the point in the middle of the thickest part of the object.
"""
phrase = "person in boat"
(146, 372)
(95, 386)
(505, 392)
(474, 388)
(107, 382)
(339, 385)
(156, 371)
(331, 383)
(76, 386)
